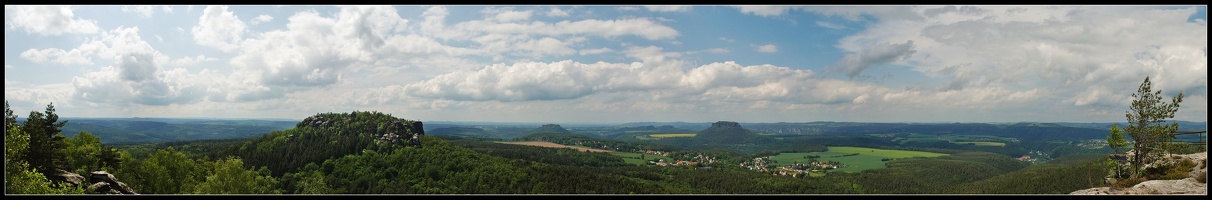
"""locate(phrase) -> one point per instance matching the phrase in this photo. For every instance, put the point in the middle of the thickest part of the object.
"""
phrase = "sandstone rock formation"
(1183, 186)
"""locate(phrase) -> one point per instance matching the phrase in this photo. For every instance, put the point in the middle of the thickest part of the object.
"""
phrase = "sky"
(608, 64)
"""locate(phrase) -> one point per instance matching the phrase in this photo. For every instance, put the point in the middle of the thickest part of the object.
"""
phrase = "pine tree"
(46, 143)
(1146, 124)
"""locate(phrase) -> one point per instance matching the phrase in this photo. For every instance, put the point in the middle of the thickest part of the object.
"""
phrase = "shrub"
(1127, 182)
(1173, 171)
(1202, 177)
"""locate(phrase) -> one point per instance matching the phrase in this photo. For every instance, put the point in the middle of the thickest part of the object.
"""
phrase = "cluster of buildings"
(655, 152)
(758, 164)
(661, 162)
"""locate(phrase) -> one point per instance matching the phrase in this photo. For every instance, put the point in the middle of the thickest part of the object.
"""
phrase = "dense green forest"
(374, 153)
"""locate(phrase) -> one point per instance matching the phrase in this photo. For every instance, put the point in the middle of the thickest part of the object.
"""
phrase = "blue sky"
(535, 63)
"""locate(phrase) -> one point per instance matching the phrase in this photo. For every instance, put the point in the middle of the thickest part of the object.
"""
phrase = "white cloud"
(830, 25)
(48, 20)
(556, 12)
(595, 51)
(144, 11)
(218, 28)
(315, 51)
(189, 61)
(137, 75)
(35, 98)
(877, 54)
(766, 10)
(652, 54)
(668, 8)
(506, 33)
(73, 57)
(562, 80)
(507, 14)
(1091, 57)
(767, 48)
(727, 39)
(261, 19)
(628, 8)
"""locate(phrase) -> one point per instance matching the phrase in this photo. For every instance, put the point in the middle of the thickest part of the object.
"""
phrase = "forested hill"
(154, 130)
(1030, 131)
(324, 136)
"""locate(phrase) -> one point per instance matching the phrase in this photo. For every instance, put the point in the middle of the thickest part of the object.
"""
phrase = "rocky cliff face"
(399, 131)
(1182, 186)
(99, 182)
(725, 124)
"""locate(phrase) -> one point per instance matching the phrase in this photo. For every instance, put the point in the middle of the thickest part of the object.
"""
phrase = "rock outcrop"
(1182, 186)
(99, 182)
(65, 177)
(723, 124)
(550, 128)
(105, 183)
(399, 131)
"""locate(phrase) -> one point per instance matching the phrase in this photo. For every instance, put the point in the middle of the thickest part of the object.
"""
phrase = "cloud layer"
(933, 63)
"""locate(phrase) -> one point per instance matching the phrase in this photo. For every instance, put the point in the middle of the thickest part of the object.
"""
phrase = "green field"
(633, 158)
(996, 144)
(867, 158)
(886, 153)
(669, 135)
(982, 140)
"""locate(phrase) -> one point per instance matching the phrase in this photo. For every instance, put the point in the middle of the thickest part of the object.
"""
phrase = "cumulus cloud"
(189, 61)
(766, 10)
(874, 55)
(830, 25)
(556, 12)
(35, 98)
(218, 28)
(314, 51)
(1093, 57)
(48, 20)
(507, 33)
(536, 81)
(261, 19)
(595, 51)
(136, 76)
(767, 48)
(73, 57)
(145, 11)
(668, 8)
(507, 14)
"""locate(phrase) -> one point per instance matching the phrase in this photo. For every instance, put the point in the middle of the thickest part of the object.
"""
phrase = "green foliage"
(84, 153)
(230, 177)
(1116, 139)
(33, 182)
(322, 136)
(169, 172)
(1127, 182)
(19, 178)
(1060, 176)
(46, 143)
(1170, 171)
(1146, 119)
